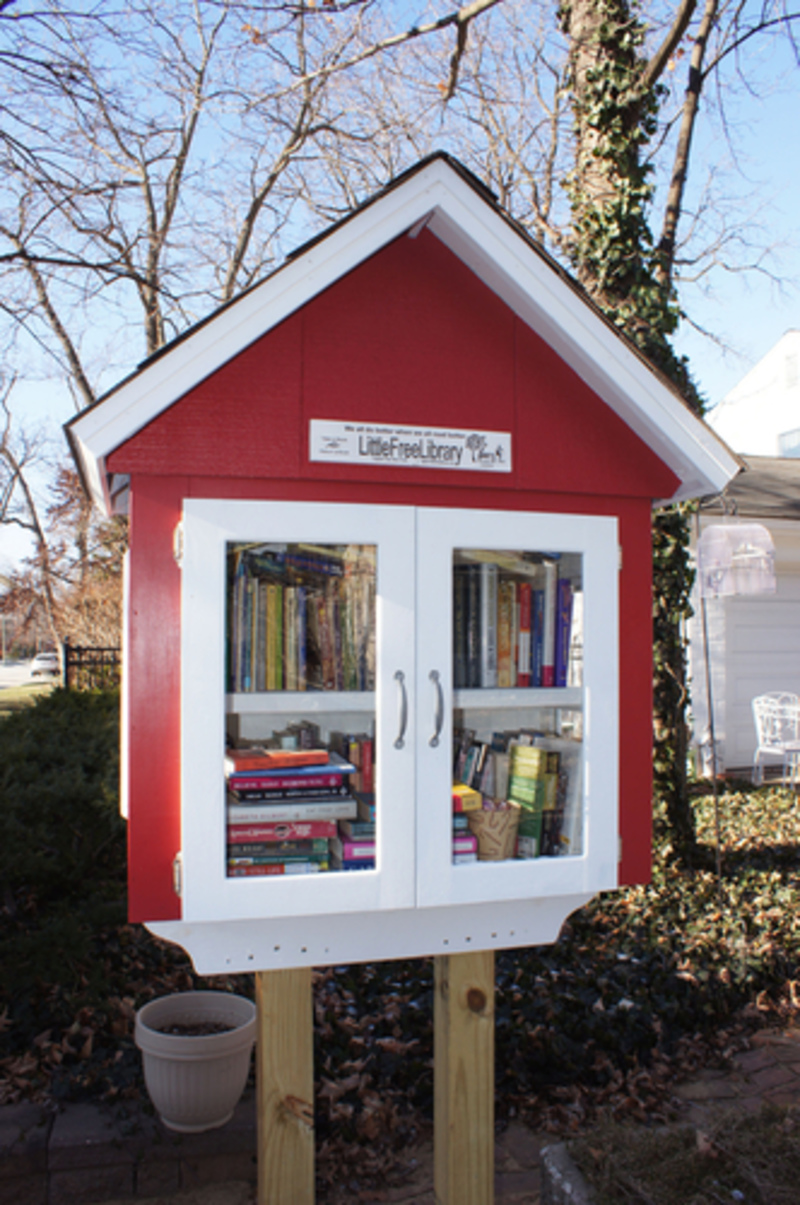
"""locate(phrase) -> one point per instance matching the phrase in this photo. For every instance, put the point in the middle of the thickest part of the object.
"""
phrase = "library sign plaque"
(417, 447)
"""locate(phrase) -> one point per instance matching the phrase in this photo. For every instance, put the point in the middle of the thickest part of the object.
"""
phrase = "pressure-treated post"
(285, 1087)
(463, 1070)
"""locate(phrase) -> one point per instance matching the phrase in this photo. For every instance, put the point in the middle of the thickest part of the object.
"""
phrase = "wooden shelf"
(307, 702)
(554, 696)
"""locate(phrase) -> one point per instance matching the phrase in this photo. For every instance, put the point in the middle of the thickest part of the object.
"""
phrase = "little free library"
(387, 650)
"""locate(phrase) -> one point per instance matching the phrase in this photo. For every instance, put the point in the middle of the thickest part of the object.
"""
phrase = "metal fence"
(87, 668)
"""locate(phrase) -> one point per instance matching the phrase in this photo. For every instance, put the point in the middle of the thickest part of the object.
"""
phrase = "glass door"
(517, 619)
(297, 666)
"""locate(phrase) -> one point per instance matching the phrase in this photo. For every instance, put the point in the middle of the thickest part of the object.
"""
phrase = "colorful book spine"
(356, 829)
(275, 868)
(263, 780)
(506, 676)
(488, 601)
(277, 813)
(300, 639)
(549, 625)
(473, 626)
(298, 830)
(261, 637)
(563, 630)
(524, 635)
(459, 626)
(275, 851)
(348, 850)
(296, 794)
(290, 638)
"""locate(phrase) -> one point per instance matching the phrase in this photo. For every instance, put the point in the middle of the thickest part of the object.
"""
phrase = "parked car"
(45, 665)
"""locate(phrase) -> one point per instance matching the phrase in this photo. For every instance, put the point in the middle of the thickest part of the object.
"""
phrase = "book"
(356, 829)
(239, 760)
(275, 636)
(465, 799)
(563, 634)
(459, 626)
(505, 633)
(290, 638)
(265, 868)
(287, 830)
(524, 634)
(354, 864)
(269, 794)
(284, 859)
(284, 777)
(275, 850)
(277, 813)
(488, 625)
(366, 806)
(367, 766)
(352, 851)
(473, 617)
(465, 843)
(537, 636)
(549, 624)
(461, 859)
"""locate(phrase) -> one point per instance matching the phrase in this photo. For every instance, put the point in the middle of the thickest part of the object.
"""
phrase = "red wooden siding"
(154, 641)
(410, 336)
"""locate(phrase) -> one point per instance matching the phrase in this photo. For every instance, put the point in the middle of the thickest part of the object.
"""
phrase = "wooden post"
(285, 1087)
(463, 1070)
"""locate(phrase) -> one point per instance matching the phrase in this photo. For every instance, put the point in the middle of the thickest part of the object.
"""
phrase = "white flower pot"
(195, 1080)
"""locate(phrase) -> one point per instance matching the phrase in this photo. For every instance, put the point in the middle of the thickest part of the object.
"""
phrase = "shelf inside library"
(525, 697)
(309, 702)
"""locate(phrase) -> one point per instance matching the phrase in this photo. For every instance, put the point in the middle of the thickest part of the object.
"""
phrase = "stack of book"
(528, 769)
(283, 807)
(353, 848)
(359, 749)
(465, 845)
(533, 784)
(512, 620)
(301, 617)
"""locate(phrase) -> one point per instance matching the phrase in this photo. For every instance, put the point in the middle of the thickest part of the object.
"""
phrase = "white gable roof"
(458, 211)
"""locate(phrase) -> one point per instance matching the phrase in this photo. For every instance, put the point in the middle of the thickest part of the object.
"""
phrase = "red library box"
(389, 565)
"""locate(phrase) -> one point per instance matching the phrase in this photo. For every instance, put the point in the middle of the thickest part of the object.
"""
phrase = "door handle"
(438, 718)
(400, 679)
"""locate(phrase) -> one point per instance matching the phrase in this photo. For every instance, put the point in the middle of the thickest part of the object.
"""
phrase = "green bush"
(62, 855)
(62, 839)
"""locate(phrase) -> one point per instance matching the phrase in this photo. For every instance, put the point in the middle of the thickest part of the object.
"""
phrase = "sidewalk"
(87, 1154)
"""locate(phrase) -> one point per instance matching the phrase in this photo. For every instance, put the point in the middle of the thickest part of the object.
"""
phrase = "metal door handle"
(400, 678)
(438, 719)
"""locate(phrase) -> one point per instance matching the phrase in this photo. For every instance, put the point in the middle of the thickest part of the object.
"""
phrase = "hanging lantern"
(735, 558)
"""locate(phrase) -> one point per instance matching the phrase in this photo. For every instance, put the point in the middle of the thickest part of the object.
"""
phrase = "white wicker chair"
(777, 719)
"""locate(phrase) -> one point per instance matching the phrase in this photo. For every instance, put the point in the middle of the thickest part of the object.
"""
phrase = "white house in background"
(761, 415)
(754, 642)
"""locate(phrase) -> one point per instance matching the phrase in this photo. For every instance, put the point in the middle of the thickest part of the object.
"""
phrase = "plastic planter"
(195, 1080)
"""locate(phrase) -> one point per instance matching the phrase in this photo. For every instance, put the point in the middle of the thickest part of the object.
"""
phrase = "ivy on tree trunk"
(615, 103)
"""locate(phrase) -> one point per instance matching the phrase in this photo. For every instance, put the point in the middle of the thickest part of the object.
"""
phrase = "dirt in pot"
(194, 1029)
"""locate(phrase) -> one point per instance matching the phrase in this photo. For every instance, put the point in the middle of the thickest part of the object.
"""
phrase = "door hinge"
(619, 551)
(177, 874)
(177, 544)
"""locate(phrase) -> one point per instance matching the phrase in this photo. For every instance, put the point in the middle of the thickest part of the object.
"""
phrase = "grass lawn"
(12, 698)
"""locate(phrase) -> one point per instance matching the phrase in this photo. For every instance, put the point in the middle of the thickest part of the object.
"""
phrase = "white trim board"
(473, 229)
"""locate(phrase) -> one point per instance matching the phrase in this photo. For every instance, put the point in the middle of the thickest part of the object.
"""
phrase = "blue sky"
(750, 312)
